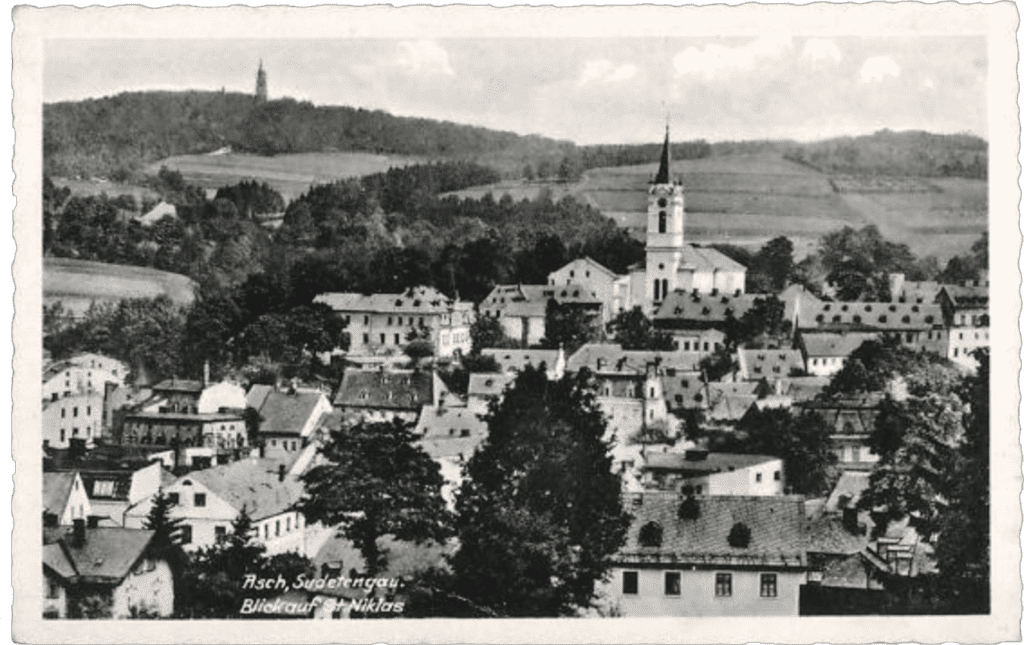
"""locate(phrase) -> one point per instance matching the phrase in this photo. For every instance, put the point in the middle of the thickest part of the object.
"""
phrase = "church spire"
(666, 156)
(261, 84)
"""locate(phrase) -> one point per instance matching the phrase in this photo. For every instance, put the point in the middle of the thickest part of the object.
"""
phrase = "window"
(757, 478)
(672, 583)
(287, 524)
(103, 488)
(398, 339)
(88, 410)
(74, 411)
(389, 320)
(399, 321)
(778, 475)
(383, 339)
(266, 531)
(769, 585)
(53, 589)
(186, 534)
(662, 221)
(366, 321)
(220, 532)
(173, 498)
(62, 435)
(199, 499)
(366, 339)
(630, 582)
(723, 585)
(277, 528)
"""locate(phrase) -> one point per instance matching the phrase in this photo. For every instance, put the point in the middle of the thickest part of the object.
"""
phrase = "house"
(965, 308)
(699, 311)
(851, 420)
(756, 364)
(485, 387)
(75, 417)
(287, 418)
(199, 440)
(919, 326)
(611, 289)
(382, 322)
(452, 433)
(709, 556)
(175, 395)
(825, 353)
(157, 213)
(725, 404)
(208, 501)
(714, 473)
(92, 360)
(522, 308)
(704, 341)
(92, 572)
(112, 492)
(917, 292)
(64, 497)
(382, 395)
(511, 361)
(66, 378)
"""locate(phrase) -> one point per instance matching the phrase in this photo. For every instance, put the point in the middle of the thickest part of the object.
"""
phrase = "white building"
(66, 378)
(221, 396)
(714, 473)
(611, 289)
(78, 416)
(383, 321)
(64, 497)
(825, 353)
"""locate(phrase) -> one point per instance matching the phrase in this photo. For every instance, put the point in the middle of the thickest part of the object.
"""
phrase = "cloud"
(717, 58)
(876, 68)
(424, 57)
(605, 71)
(819, 49)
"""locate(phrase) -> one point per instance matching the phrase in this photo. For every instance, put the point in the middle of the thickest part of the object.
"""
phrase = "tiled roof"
(706, 259)
(776, 526)
(589, 263)
(714, 462)
(179, 385)
(756, 363)
(415, 300)
(257, 394)
(610, 357)
(488, 384)
(827, 534)
(881, 316)
(184, 417)
(918, 292)
(56, 368)
(831, 344)
(853, 416)
(532, 299)
(252, 483)
(515, 360)
(684, 390)
(967, 297)
(850, 485)
(450, 432)
(804, 388)
(288, 413)
(57, 490)
(685, 307)
(381, 389)
(106, 557)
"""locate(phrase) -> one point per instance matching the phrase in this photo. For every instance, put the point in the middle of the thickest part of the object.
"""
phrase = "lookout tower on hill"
(261, 84)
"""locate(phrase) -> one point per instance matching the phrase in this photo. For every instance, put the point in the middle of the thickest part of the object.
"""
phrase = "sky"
(587, 90)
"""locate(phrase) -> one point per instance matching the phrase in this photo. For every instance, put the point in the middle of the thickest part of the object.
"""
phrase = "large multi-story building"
(386, 321)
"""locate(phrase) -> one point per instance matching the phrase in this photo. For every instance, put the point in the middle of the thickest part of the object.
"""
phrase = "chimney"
(50, 519)
(78, 534)
(206, 374)
(93, 521)
(280, 472)
(850, 520)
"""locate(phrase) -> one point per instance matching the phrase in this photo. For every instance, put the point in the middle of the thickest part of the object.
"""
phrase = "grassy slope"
(78, 281)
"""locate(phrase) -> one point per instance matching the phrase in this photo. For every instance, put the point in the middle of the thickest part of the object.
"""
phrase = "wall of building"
(78, 506)
(697, 594)
(78, 416)
(76, 379)
(55, 597)
(148, 587)
(372, 332)
(744, 481)
(963, 341)
(582, 273)
(825, 365)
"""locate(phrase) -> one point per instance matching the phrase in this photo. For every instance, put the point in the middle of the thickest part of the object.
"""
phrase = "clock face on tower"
(662, 202)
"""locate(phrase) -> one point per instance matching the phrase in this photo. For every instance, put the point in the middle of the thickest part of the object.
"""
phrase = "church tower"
(261, 84)
(664, 233)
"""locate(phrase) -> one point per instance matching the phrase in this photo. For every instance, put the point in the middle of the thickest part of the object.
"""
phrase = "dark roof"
(682, 307)
(287, 413)
(106, 557)
(610, 357)
(757, 363)
(184, 417)
(663, 167)
(391, 390)
(57, 490)
(880, 316)
(415, 300)
(113, 484)
(714, 462)
(847, 416)
(252, 483)
(833, 343)
(516, 360)
(776, 526)
(179, 385)
(967, 297)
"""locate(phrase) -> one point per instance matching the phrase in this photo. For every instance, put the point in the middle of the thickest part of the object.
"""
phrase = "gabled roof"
(532, 299)
(486, 384)
(758, 363)
(833, 344)
(867, 316)
(449, 432)
(964, 297)
(179, 385)
(57, 490)
(252, 483)
(712, 462)
(288, 413)
(257, 394)
(106, 557)
(107, 485)
(515, 360)
(776, 526)
(590, 262)
(704, 259)
(415, 300)
(610, 357)
(703, 308)
(382, 389)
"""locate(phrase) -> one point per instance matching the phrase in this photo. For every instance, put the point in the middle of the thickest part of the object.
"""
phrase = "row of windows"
(221, 531)
(74, 433)
(723, 584)
(696, 346)
(74, 411)
(198, 499)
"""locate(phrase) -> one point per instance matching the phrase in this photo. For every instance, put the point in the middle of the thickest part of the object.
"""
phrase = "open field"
(749, 199)
(113, 189)
(78, 283)
(291, 175)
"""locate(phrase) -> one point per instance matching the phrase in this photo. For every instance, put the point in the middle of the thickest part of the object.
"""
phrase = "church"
(671, 264)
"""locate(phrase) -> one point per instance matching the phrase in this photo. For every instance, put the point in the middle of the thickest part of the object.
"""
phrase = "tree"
(377, 482)
(634, 331)
(772, 267)
(540, 512)
(962, 551)
(802, 442)
(419, 349)
(874, 365)
(486, 332)
(718, 364)
(569, 327)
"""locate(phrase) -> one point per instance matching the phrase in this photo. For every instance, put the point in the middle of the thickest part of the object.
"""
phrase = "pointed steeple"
(666, 157)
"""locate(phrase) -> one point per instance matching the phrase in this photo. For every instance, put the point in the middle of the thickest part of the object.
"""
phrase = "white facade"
(79, 416)
(604, 284)
(963, 341)
(72, 379)
(229, 396)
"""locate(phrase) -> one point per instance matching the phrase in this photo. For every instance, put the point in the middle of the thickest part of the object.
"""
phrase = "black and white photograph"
(437, 322)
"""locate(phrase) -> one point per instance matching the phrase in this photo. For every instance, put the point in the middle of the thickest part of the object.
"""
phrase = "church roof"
(705, 259)
(663, 174)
